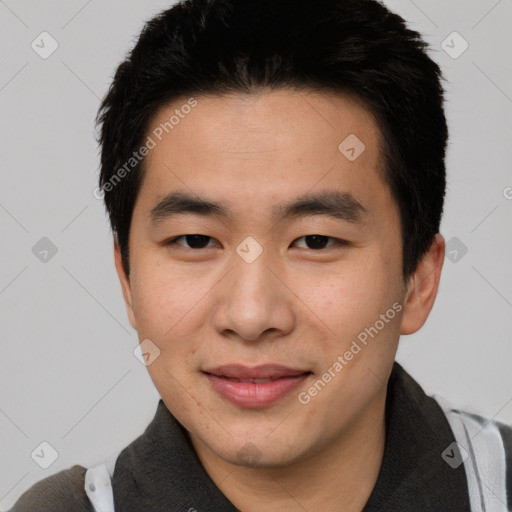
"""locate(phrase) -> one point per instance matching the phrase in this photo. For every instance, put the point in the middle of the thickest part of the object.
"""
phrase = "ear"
(125, 283)
(422, 288)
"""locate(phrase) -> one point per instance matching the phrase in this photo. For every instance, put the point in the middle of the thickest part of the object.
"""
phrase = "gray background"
(67, 369)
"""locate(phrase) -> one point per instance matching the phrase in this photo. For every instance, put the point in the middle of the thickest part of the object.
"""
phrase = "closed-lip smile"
(254, 386)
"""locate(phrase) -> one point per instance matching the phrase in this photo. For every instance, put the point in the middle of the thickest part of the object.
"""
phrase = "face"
(298, 264)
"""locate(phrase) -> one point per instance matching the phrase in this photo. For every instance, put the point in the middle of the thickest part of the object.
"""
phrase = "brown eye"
(193, 241)
(316, 242)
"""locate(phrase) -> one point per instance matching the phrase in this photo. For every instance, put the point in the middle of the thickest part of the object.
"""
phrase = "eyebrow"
(338, 205)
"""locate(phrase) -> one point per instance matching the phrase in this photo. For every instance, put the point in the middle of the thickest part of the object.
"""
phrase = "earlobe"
(125, 283)
(422, 288)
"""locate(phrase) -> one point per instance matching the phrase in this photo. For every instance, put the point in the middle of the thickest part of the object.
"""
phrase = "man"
(274, 175)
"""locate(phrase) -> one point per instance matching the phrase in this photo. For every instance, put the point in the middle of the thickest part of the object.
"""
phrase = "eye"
(197, 241)
(318, 242)
(193, 241)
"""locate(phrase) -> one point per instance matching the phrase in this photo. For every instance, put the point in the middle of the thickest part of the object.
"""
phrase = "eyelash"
(337, 241)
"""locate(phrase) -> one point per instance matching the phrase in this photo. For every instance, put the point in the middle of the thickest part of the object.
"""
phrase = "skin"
(294, 305)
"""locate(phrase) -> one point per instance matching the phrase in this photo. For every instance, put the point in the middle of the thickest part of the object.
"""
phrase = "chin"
(259, 451)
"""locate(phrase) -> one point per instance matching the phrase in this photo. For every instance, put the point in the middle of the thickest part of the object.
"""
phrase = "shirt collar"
(413, 475)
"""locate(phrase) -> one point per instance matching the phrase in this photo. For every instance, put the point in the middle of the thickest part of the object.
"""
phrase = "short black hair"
(356, 47)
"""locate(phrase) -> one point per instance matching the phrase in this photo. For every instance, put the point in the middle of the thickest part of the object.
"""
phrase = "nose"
(253, 302)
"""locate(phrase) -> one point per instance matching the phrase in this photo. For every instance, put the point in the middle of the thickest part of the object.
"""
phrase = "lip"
(250, 393)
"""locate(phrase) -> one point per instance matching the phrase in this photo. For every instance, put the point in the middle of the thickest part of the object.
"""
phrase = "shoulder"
(61, 492)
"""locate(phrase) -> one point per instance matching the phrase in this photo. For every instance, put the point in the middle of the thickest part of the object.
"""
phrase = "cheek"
(350, 296)
(161, 297)
(169, 307)
(360, 316)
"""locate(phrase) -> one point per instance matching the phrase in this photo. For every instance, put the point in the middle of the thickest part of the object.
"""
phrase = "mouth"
(252, 387)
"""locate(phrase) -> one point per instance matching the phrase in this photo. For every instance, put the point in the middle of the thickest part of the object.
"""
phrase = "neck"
(341, 476)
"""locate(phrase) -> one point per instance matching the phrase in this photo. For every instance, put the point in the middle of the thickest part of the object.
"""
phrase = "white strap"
(481, 447)
(98, 485)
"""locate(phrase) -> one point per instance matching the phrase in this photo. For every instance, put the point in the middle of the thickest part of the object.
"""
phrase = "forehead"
(265, 121)
(256, 148)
